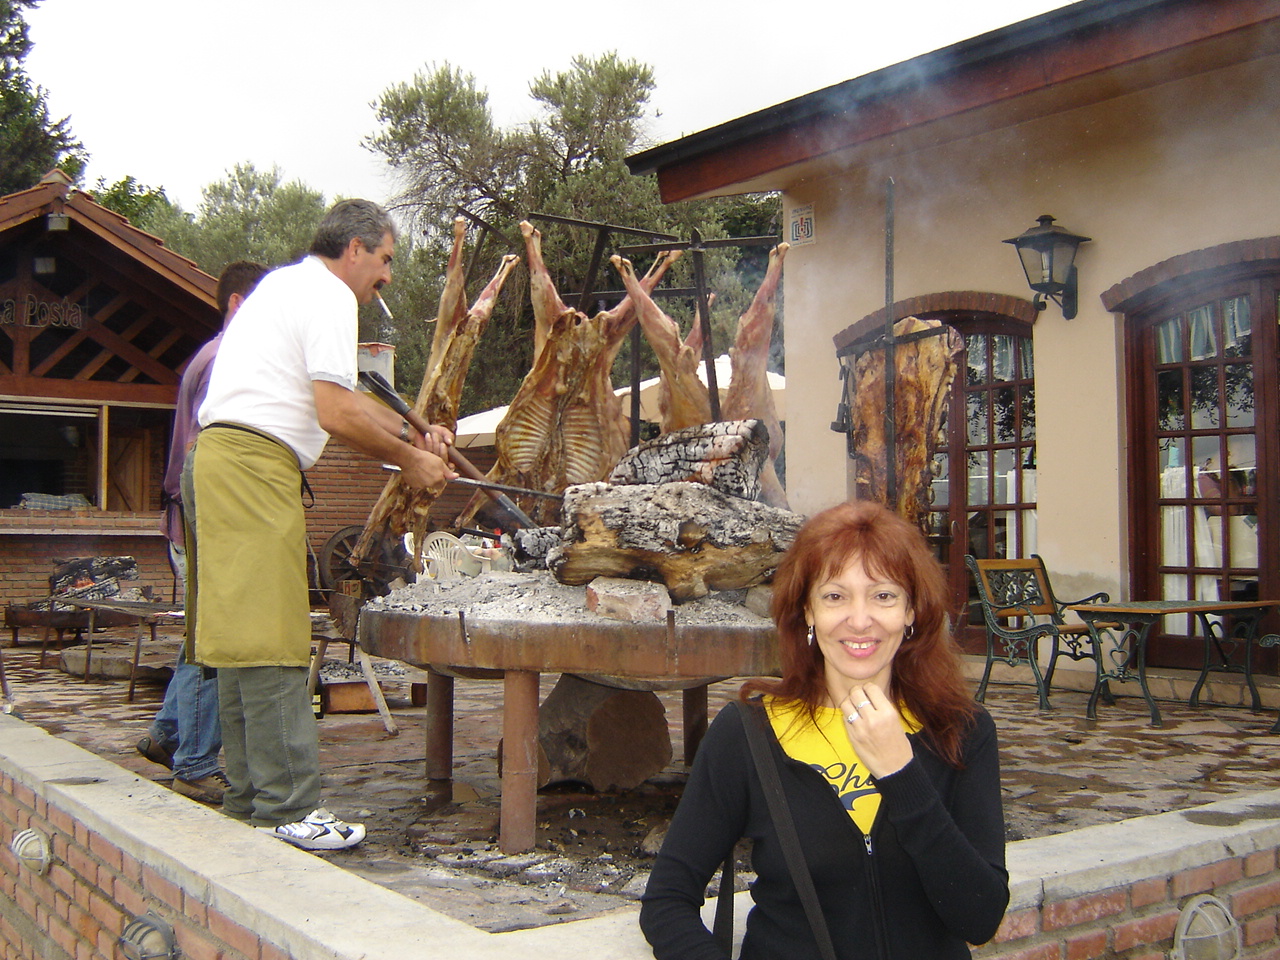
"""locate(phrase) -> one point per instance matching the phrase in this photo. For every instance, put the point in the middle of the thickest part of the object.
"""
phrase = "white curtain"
(1176, 551)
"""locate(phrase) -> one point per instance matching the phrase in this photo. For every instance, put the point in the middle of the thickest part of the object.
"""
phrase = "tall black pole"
(704, 317)
(890, 356)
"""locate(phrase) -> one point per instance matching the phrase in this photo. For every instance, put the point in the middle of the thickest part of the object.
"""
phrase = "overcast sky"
(175, 93)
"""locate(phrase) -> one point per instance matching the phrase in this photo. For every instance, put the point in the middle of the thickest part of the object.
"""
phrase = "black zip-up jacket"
(929, 880)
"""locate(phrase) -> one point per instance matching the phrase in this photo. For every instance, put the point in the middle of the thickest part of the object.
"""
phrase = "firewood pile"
(677, 513)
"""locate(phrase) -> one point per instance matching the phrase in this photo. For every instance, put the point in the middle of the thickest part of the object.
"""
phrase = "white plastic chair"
(449, 556)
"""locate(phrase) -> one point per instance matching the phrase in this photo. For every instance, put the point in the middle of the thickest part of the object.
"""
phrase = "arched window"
(1203, 422)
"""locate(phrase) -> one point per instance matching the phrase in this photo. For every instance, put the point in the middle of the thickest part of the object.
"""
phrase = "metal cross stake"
(603, 232)
(697, 247)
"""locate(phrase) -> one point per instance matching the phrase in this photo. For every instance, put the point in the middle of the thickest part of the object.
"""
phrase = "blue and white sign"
(801, 229)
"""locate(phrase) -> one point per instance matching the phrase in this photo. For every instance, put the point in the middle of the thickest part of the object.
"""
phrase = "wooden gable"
(91, 308)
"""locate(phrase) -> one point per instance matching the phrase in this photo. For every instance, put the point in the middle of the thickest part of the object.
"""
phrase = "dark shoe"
(207, 789)
(155, 751)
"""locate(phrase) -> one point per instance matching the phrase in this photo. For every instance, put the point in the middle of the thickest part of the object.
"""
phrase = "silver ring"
(850, 717)
(864, 703)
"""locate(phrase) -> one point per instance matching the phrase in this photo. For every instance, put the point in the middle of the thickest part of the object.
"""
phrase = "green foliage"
(440, 139)
(31, 142)
(438, 136)
(131, 199)
(249, 215)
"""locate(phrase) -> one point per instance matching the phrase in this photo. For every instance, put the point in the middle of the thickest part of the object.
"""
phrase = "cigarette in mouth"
(383, 304)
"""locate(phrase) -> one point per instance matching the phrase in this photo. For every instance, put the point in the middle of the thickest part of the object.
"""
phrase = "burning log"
(726, 455)
(565, 425)
(690, 536)
(925, 369)
(400, 509)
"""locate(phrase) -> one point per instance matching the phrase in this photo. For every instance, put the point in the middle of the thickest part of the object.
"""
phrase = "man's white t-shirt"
(298, 325)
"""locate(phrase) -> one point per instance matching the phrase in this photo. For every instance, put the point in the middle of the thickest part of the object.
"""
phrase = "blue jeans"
(188, 724)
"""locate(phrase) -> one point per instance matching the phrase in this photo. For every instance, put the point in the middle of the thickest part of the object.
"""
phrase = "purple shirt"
(191, 391)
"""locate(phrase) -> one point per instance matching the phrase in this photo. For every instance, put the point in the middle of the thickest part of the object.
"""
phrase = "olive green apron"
(248, 597)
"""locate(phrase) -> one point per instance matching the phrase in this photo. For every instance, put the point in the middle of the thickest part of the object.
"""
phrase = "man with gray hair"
(283, 384)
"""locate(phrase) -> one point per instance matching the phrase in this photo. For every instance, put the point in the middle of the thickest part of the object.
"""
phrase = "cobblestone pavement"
(438, 845)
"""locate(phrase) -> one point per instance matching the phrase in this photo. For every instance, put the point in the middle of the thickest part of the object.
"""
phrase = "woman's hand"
(874, 728)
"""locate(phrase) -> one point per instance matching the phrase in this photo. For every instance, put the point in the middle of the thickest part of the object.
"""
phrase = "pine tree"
(31, 141)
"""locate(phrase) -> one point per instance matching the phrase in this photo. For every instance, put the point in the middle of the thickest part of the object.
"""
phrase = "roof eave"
(766, 131)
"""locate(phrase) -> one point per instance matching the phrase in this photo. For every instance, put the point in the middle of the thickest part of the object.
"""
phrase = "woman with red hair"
(889, 767)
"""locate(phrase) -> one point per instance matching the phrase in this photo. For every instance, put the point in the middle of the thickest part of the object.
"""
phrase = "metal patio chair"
(1020, 610)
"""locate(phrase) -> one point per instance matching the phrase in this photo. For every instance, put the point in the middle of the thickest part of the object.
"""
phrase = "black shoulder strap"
(722, 928)
(754, 722)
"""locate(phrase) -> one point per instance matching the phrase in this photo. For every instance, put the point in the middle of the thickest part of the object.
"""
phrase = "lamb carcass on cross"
(400, 509)
(683, 399)
(565, 425)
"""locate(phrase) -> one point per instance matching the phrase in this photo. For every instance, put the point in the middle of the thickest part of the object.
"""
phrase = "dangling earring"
(812, 636)
(908, 631)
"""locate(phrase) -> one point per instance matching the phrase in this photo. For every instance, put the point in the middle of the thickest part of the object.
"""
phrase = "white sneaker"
(318, 830)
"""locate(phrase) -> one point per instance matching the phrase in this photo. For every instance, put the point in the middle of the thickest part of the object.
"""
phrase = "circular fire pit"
(518, 626)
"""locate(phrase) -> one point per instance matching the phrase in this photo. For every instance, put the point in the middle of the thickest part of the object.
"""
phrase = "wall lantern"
(32, 850)
(57, 222)
(1048, 255)
(1206, 931)
(148, 938)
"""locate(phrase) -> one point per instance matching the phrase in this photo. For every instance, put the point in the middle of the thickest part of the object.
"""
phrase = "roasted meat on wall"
(925, 368)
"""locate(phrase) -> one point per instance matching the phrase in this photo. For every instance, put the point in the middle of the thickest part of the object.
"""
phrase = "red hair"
(926, 676)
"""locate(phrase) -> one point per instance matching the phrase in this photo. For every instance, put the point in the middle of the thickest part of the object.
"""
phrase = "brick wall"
(346, 485)
(123, 845)
(79, 908)
(1136, 920)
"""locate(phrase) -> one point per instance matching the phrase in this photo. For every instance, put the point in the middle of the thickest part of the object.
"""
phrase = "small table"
(144, 612)
(1135, 618)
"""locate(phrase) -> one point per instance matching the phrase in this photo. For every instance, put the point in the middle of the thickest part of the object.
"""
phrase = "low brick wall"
(1115, 890)
(123, 845)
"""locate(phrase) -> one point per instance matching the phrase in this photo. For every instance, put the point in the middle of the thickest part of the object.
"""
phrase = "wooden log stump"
(608, 738)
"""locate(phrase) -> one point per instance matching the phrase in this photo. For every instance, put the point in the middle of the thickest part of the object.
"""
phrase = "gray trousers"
(270, 744)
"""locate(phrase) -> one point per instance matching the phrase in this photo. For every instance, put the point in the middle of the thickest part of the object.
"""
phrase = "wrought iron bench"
(1271, 640)
(1020, 609)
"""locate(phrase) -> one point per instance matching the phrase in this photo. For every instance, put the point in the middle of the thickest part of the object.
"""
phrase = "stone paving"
(436, 844)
